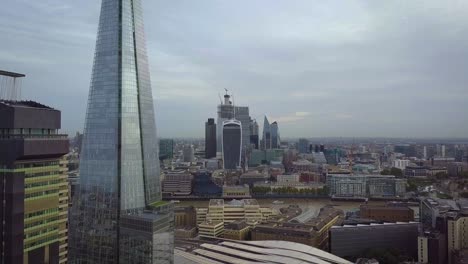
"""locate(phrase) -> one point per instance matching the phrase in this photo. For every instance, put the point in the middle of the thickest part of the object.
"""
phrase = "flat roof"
(30, 104)
(12, 74)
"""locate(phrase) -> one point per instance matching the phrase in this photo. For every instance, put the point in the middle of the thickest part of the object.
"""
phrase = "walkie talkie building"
(119, 167)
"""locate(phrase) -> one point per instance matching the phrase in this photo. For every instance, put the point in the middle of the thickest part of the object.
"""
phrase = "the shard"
(119, 166)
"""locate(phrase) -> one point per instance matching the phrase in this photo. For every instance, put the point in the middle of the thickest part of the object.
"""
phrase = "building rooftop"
(269, 251)
(384, 207)
(29, 104)
(236, 225)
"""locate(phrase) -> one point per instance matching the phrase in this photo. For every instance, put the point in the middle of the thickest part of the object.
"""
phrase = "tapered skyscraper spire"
(119, 167)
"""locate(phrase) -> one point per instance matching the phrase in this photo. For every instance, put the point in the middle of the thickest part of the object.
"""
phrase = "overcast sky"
(320, 68)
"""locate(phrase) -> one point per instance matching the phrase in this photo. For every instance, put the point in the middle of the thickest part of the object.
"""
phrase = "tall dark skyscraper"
(210, 139)
(254, 134)
(232, 144)
(119, 167)
(33, 182)
(275, 137)
(266, 139)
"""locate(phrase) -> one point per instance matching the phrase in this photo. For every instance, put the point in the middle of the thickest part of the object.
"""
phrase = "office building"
(457, 233)
(201, 215)
(232, 144)
(254, 138)
(416, 171)
(273, 251)
(307, 228)
(166, 149)
(266, 138)
(189, 153)
(237, 230)
(119, 166)
(236, 192)
(352, 240)
(211, 228)
(204, 186)
(347, 185)
(275, 136)
(210, 139)
(457, 168)
(401, 164)
(432, 248)
(227, 111)
(252, 177)
(303, 146)
(431, 209)
(387, 213)
(247, 210)
(358, 186)
(147, 237)
(177, 183)
(33, 184)
(185, 216)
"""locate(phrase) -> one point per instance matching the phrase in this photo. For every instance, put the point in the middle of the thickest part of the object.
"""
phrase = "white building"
(400, 164)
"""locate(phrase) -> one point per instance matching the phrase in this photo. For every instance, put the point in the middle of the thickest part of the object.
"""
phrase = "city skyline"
(401, 63)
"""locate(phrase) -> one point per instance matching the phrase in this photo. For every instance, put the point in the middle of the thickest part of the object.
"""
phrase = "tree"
(396, 171)
(393, 171)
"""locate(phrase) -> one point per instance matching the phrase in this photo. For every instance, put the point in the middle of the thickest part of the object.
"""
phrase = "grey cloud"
(361, 68)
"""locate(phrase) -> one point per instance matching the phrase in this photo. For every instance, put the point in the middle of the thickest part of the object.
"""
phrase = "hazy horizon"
(354, 69)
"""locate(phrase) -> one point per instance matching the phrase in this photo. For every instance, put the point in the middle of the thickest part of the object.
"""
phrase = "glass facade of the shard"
(119, 167)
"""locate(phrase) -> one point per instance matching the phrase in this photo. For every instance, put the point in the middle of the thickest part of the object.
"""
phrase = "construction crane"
(351, 158)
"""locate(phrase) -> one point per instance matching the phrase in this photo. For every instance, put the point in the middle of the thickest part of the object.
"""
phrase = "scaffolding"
(10, 85)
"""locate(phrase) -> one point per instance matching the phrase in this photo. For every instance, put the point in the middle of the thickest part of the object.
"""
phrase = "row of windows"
(42, 212)
(40, 232)
(42, 222)
(39, 194)
(45, 183)
(42, 241)
(28, 131)
(36, 164)
(41, 174)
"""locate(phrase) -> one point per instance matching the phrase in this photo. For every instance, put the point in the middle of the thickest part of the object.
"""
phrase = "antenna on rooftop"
(10, 85)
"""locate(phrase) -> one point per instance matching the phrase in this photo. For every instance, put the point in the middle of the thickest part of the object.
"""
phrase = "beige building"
(238, 230)
(247, 210)
(211, 229)
(201, 215)
(457, 234)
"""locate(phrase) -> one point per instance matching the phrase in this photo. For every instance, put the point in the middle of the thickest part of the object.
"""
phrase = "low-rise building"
(305, 228)
(353, 240)
(303, 165)
(211, 229)
(247, 210)
(387, 213)
(238, 191)
(292, 178)
(177, 183)
(359, 186)
(416, 171)
(185, 217)
(186, 232)
(400, 164)
(252, 177)
(237, 230)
